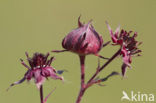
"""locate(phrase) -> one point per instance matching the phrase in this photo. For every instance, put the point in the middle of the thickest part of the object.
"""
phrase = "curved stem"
(41, 94)
(82, 88)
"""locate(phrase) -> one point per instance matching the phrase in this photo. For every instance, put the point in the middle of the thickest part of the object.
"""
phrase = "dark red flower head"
(129, 46)
(83, 40)
(39, 69)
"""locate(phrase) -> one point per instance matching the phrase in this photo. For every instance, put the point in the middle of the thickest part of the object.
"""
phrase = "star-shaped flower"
(129, 46)
(39, 69)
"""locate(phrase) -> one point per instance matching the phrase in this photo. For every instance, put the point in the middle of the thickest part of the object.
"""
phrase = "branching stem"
(91, 81)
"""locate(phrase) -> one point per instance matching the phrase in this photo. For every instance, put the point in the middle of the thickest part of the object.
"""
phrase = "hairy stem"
(82, 88)
(41, 94)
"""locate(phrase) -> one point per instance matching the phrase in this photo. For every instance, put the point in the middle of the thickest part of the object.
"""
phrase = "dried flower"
(39, 69)
(129, 46)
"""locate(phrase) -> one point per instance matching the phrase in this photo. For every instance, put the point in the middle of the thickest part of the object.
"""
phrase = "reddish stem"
(82, 88)
(41, 94)
(101, 68)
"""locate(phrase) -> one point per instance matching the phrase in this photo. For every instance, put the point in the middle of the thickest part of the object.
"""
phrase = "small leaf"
(61, 71)
(110, 75)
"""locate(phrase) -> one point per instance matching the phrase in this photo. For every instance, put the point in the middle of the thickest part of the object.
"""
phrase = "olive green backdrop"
(40, 25)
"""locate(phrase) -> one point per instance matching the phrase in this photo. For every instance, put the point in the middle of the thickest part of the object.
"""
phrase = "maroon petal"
(126, 57)
(39, 79)
(52, 73)
(116, 34)
(97, 36)
(114, 38)
(54, 76)
(50, 61)
(123, 69)
(29, 74)
(79, 44)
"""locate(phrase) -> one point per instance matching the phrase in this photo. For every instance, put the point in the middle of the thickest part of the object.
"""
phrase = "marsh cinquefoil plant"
(39, 69)
(84, 40)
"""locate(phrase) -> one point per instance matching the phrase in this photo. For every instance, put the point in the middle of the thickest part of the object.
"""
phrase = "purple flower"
(83, 40)
(39, 69)
(129, 46)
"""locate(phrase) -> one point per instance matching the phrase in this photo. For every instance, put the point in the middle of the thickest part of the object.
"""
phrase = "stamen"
(22, 62)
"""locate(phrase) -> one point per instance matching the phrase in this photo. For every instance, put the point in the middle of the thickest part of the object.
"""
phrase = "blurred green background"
(40, 26)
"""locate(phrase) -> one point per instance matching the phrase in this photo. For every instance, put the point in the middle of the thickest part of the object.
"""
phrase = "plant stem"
(82, 88)
(41, 94)
(102, 67)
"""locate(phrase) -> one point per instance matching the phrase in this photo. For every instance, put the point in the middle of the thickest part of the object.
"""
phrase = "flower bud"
(83, 40)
